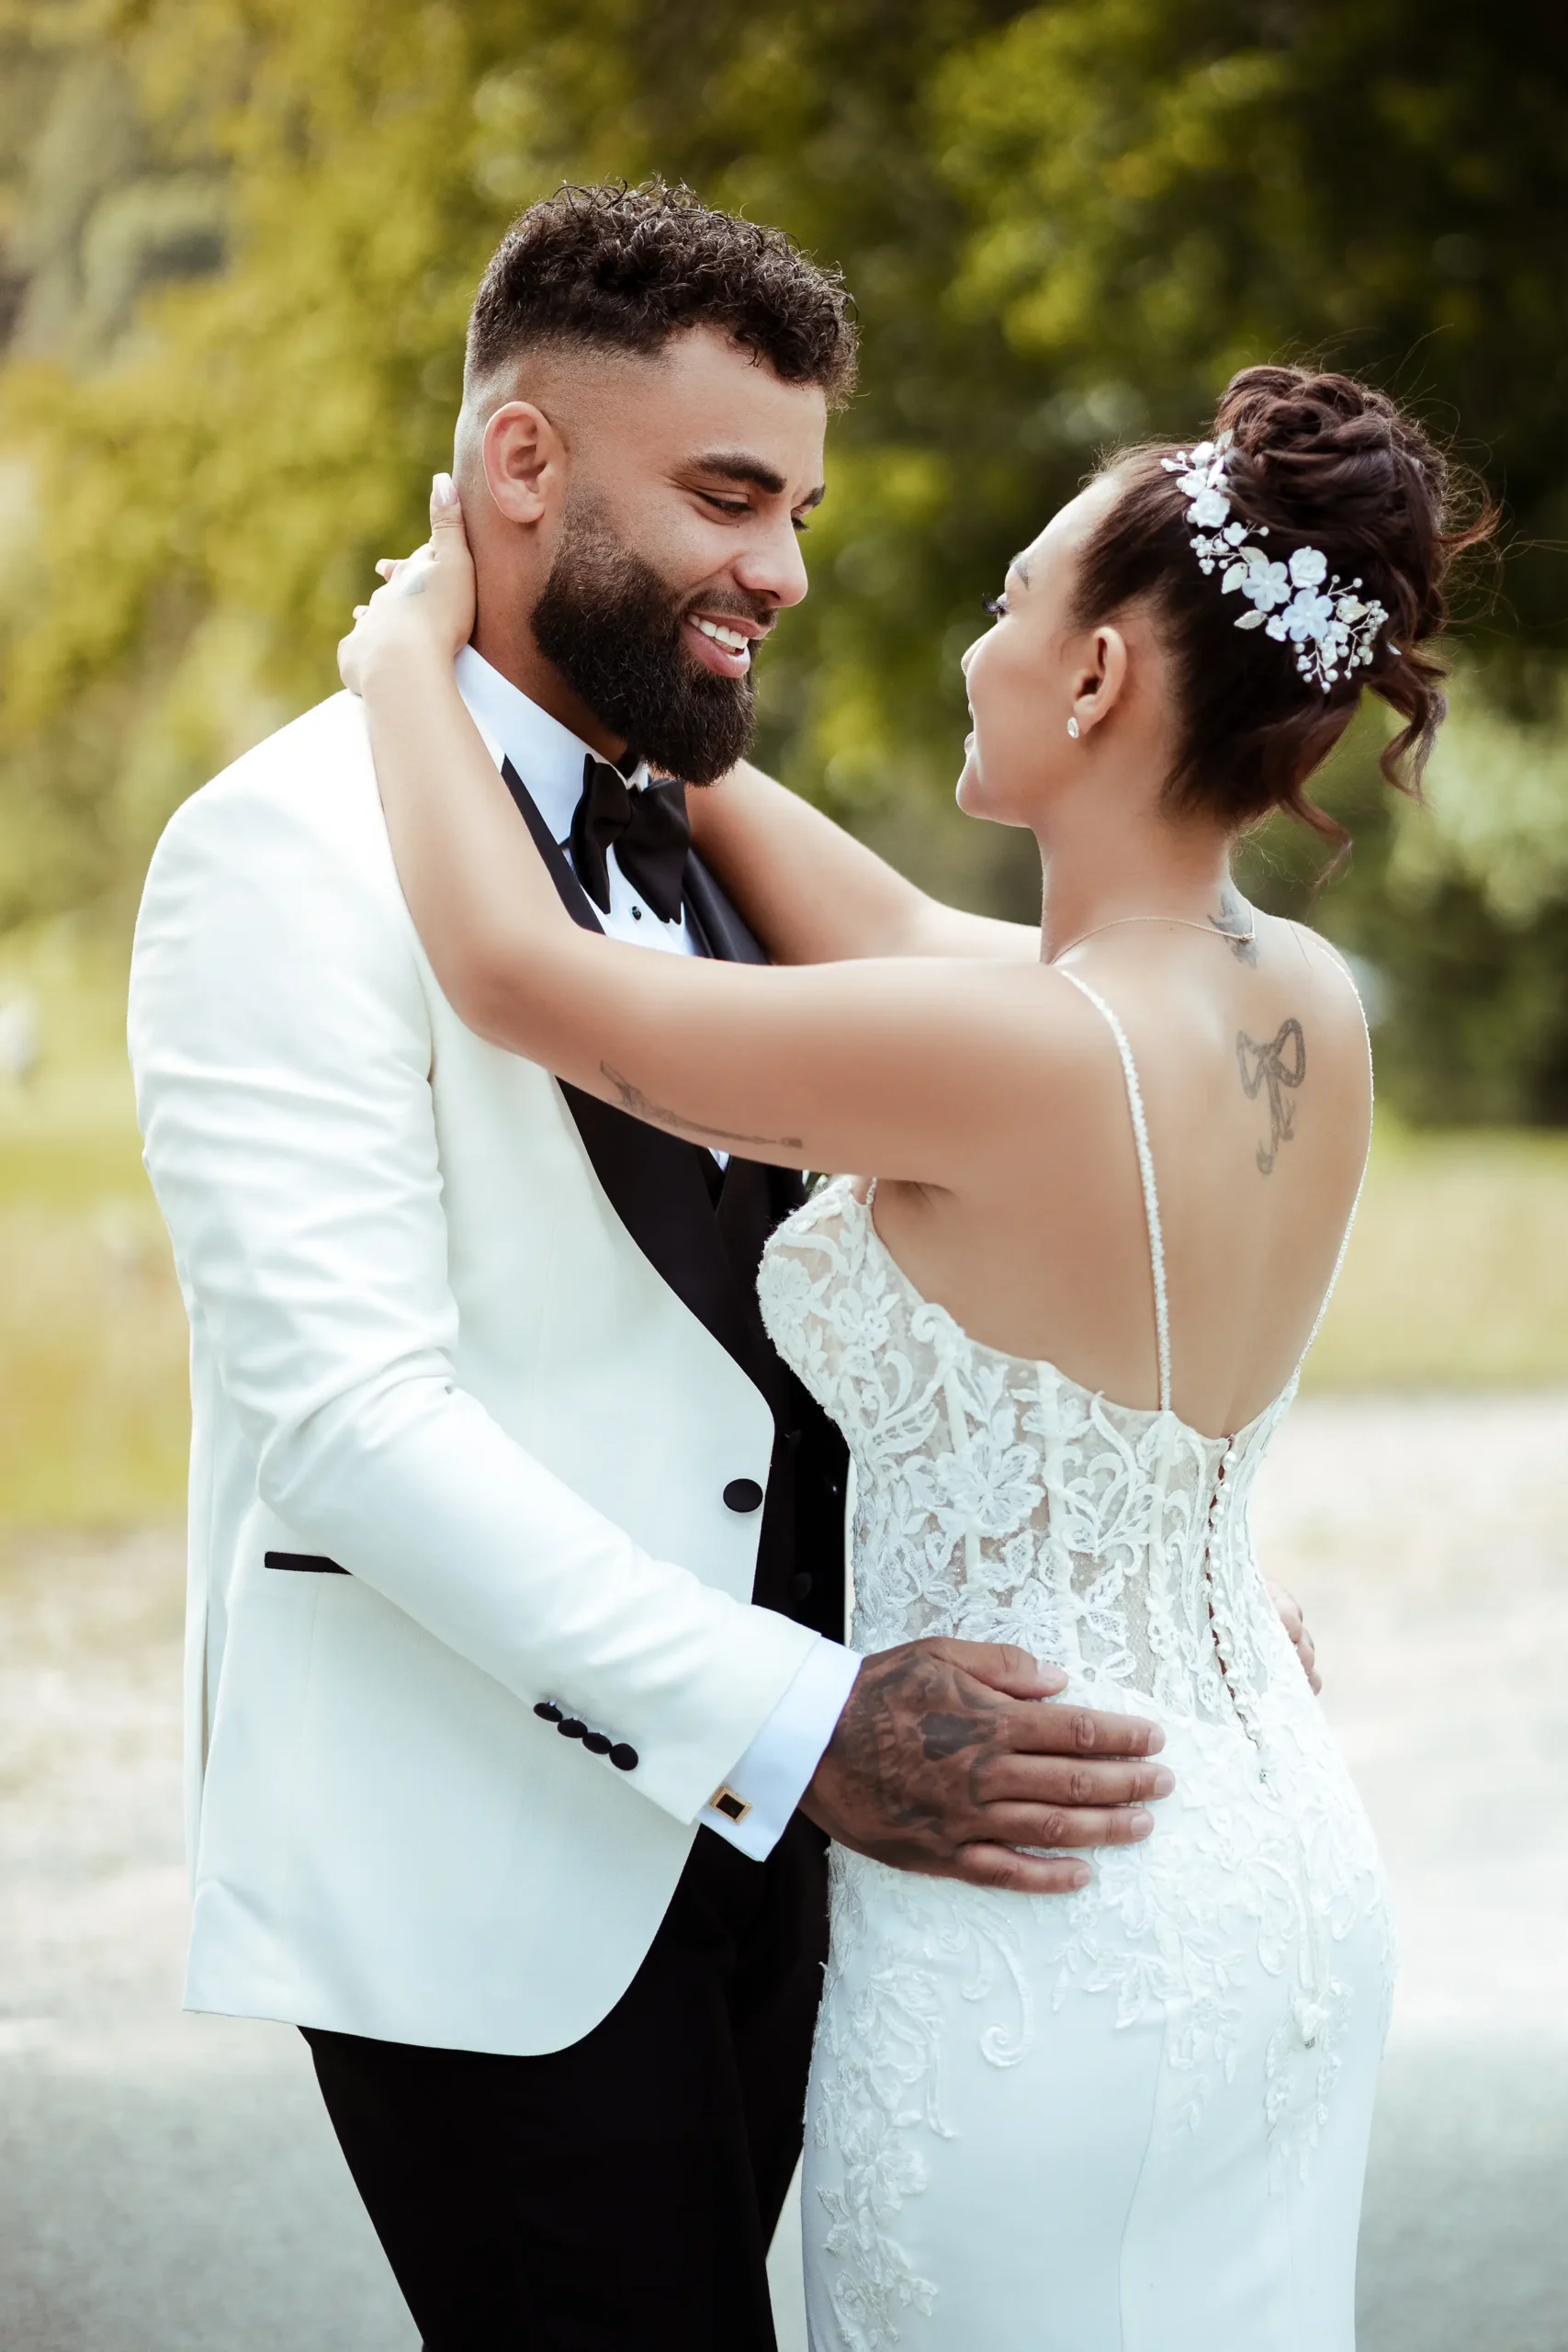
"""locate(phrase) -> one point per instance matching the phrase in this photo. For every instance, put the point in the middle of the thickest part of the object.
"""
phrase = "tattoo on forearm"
(1235, 922)
(634, 1100)
(1266, 1066)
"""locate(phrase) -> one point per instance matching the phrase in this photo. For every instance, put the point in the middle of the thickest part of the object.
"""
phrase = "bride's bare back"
(1253, 1070)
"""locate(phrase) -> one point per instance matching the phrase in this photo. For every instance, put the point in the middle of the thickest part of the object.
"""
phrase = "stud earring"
(1073, 729)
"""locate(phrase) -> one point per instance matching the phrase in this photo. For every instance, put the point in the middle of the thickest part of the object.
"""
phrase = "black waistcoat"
(703, 1229)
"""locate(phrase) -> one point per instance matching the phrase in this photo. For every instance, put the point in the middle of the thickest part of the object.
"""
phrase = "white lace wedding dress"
(1135, 2119)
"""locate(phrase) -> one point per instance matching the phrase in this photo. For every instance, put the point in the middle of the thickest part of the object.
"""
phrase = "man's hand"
(1295, 1624)
(945, 1761)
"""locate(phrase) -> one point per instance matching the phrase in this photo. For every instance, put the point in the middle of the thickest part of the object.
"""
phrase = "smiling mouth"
(733, 639)
(724, 646)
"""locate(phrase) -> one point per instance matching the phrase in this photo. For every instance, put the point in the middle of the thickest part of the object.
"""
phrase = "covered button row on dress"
(1243, 1712)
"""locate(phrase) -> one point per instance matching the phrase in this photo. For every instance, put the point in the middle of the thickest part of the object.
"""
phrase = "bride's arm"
(901, 1067)
(813, 894)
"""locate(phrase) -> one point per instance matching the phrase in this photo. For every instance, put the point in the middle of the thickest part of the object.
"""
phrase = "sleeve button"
(547, 1710)
(623, 1758)
(573, 1729)
(743, 1495)
(597, 1743)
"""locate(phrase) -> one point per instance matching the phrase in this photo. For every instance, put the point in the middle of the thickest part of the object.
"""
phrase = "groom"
(517, 1698)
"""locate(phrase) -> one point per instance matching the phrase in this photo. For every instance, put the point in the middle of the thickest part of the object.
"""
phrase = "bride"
(1059, 1325)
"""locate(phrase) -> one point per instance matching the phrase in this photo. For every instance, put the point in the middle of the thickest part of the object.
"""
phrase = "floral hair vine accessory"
(1332, 629)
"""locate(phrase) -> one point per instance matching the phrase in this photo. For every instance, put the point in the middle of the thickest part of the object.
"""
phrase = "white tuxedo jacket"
(423, 1347)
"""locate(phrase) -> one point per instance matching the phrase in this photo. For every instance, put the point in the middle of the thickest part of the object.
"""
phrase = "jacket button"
(573, 1729)
(800, 1584)
(623, 1758)
(597, 1743)
(547, 1710)
(743, 1494)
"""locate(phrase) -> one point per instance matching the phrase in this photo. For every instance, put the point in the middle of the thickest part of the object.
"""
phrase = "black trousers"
(618, 2195)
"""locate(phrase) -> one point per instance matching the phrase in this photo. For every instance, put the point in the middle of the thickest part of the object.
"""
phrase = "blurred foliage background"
(238, 240)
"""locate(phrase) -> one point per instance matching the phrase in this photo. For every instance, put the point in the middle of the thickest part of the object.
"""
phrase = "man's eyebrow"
(739, 465)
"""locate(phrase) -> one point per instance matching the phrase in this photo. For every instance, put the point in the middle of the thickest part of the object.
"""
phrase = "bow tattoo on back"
(1266, 1066)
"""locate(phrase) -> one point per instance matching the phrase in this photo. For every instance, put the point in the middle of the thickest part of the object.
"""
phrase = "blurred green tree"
(237, 302)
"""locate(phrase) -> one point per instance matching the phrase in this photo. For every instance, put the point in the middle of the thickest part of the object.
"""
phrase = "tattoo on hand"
(1265, 1066)
(910, 1712)
(634, 1100)
(1235, 922)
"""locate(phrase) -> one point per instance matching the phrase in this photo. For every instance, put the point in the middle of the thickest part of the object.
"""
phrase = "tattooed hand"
(945, 1761)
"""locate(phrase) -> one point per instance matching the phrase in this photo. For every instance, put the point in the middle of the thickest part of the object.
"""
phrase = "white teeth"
(730, 639)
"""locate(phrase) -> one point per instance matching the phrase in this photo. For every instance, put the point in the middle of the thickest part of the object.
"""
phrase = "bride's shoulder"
(1310, 984)
(1067, 1036)
(1339, 983)
(1044, 1008)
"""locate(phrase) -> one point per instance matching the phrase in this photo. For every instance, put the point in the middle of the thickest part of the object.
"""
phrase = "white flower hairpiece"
(1333, 629)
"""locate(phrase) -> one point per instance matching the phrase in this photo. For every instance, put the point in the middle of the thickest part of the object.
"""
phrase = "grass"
(1457, 1276)
(1457, 1273)
(94, 1424)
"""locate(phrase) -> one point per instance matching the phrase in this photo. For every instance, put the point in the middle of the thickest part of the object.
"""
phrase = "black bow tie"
(647, 830)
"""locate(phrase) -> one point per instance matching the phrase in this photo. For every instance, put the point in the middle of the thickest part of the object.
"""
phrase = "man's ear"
(525, 462)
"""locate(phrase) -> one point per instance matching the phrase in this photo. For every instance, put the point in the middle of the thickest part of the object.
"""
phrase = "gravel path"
(168, 2183)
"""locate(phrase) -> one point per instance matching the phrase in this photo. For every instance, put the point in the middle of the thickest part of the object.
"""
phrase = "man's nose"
(772, 565)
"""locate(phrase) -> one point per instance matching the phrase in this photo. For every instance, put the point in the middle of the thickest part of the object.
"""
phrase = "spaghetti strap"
(1147, 1172)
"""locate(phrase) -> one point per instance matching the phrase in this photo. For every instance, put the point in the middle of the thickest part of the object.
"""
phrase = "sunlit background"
(238, 240)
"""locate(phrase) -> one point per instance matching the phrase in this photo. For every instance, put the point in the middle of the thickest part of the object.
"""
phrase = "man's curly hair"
(625, 268)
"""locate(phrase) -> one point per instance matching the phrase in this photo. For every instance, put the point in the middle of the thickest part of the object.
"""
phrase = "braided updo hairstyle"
(1320, 460)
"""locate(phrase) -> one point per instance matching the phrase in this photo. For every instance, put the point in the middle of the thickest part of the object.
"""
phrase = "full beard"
(612, 628)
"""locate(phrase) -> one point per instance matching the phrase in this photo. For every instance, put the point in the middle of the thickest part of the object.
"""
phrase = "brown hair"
(1319, 460)
(625, 268)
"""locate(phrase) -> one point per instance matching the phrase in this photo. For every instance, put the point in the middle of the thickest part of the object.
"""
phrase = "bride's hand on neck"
(426, 606)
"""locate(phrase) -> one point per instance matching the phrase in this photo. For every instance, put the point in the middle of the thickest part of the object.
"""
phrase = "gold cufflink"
(733, 1808)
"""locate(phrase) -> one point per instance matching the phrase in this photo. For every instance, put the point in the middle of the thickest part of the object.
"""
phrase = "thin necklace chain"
(1208, 930)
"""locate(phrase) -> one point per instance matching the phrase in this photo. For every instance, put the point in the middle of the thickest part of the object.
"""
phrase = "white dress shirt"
(771, 1778)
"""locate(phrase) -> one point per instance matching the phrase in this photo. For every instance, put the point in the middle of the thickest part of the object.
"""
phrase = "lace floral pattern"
(998, 1500)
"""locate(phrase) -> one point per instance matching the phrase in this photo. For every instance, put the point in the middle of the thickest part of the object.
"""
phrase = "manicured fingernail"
(1157, 1740)
(1139, 1823)
(1163, 1782)
(444, 489)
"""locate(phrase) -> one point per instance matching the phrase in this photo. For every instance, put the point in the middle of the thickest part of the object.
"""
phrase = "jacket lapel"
(657, 1183)
(573, 896)
(718, 928)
